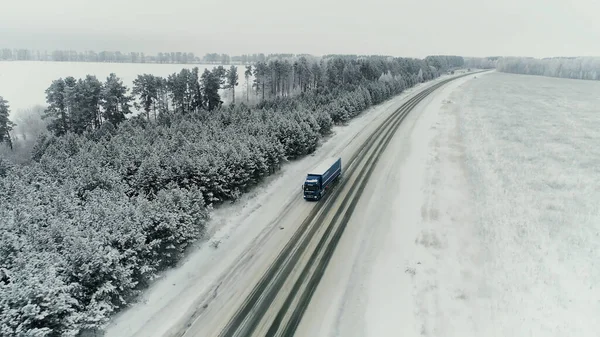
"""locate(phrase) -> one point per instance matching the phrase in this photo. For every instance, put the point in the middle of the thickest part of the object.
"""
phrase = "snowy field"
(534, 164)
(482, 220)
(23, 83)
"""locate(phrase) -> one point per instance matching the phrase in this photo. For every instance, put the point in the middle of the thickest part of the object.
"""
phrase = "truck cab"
(312, 188)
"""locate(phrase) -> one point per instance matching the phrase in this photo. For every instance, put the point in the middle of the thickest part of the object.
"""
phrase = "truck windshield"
(311, 188)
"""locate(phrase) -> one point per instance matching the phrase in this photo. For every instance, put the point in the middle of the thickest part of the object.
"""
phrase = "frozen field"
(533, 164)
(23, 83)
(483, 220)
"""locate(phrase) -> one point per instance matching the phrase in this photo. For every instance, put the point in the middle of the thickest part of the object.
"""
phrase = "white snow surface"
(481, 219)
(246, 230)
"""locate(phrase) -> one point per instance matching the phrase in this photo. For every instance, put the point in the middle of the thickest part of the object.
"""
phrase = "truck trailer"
(320, 179)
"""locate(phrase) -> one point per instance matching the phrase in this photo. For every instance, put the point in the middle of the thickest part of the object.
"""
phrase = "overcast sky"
(413, 28)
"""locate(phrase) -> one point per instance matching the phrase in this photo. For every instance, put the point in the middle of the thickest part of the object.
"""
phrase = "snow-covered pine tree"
(6, 125)
(247, 75)
(231, 81)
(115, 100)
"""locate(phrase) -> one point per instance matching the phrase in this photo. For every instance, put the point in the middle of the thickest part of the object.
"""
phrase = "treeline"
(92, 56)
(280, 77)
(80, 105)
(104, 208)
(84, 104)
(583, 68)
(481, 62)
(103, 56)
(214, 58)
(7, 54)
(445, 62)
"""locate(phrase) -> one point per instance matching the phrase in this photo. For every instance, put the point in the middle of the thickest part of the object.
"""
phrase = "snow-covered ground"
(481, 220)
(23, 83)
(248, 235)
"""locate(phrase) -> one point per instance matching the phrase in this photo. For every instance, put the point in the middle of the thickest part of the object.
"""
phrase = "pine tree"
(195, 90)
(261, 71)
(232, 81)
(176, 89)
(162, 95)
(305, 74)
(211, 82)
(317, 75)
(146, 88)
(5, 124)
(115, 100)
(57, 108)
(75, 96)
(247, 74)
(92, 92)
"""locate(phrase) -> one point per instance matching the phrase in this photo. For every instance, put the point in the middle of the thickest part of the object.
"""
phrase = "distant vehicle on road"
(319, 180)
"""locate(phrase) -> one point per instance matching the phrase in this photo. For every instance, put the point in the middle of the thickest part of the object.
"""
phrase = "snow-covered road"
(387, 256)
(245, 239)
(481, 219)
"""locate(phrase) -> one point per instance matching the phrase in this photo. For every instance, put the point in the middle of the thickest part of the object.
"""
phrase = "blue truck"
(320, 178)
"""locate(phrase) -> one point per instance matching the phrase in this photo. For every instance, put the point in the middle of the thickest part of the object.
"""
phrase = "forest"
(582, 68)
(124, 179)
(8, 54)
(481, 62)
